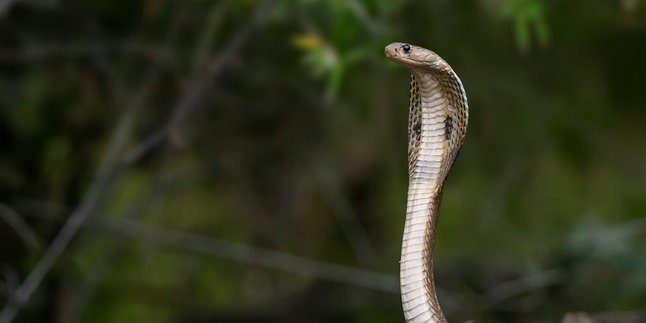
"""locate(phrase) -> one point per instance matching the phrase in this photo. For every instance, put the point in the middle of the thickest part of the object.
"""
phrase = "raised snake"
(437, 124)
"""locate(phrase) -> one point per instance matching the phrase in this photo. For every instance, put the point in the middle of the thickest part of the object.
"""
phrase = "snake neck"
(435, 135)
(418, 294)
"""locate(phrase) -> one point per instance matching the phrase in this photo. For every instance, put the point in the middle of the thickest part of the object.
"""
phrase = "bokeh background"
(245, 161)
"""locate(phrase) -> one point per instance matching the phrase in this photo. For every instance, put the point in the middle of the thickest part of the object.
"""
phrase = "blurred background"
(245, 161)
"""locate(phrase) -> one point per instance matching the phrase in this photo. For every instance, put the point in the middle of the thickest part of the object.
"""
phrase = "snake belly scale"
(437, 124)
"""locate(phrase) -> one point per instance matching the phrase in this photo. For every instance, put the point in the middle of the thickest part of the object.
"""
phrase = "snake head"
(413, 56)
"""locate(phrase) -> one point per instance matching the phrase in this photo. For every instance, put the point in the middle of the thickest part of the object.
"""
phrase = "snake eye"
(406, 48)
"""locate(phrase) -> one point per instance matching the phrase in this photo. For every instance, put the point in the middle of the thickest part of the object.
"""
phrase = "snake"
(437, 124)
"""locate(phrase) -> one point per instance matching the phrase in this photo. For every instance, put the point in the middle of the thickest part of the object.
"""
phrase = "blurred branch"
(345, 214)
(11, 280)
(15, 221)
(105, 265)
(151, 199)
(111, 164)
(5, 5)
(200, 84)
(266, 258)
(271, 259)
(105, 175)
(97, 189)
(360, 11)
(525, 284)
(602, 240)
(599, 239)
(36, 52)
(201, 52)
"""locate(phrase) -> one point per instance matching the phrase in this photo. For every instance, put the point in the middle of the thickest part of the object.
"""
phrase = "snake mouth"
(409, 57)
(394, 50)
(391, 50)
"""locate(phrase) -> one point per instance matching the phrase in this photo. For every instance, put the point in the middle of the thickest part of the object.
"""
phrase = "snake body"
(437, 125)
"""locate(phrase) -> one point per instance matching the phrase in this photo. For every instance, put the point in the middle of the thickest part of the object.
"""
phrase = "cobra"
(437, 124)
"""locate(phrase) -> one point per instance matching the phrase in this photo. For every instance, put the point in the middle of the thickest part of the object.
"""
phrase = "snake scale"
(437, 124)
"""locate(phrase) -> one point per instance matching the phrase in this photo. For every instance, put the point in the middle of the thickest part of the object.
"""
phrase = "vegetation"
(239, 161)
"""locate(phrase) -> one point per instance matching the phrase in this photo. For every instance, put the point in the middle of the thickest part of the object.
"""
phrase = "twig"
(361, 13)
(254, 256)
(38, 52)
(532, 282)
(21, 227)
(201, 51)
(11, 280)
(346, 216)
(199, 85)
(105, 175)
(77, 218)
(266, 258)
(5, 5)
(110, 258)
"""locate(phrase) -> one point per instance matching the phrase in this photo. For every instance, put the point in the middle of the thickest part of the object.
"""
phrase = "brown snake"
(437, 125)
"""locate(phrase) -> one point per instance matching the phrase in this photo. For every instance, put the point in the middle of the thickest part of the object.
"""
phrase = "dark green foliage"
(279, 129)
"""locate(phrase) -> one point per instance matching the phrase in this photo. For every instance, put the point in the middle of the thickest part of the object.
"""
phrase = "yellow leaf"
(307, 41)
